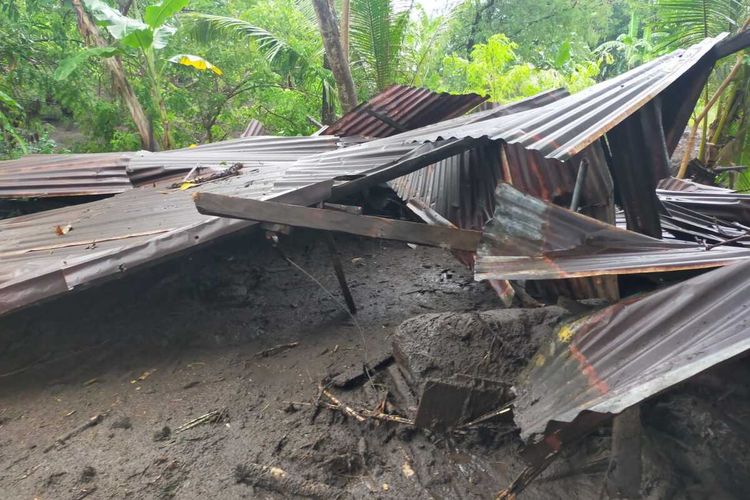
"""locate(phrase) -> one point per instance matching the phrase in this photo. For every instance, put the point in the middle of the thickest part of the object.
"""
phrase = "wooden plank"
(328, 220)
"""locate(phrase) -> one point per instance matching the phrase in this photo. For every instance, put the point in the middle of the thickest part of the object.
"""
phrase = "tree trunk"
(93, 38)
(345, 14)
(329, 30)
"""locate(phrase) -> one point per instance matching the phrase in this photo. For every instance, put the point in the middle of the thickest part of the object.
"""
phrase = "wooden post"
(624, 478)
(338, 268)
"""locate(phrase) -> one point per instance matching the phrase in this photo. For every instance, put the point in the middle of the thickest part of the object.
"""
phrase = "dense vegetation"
(109, 75)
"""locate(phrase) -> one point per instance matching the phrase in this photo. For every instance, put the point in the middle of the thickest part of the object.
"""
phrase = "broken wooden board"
(328, 220)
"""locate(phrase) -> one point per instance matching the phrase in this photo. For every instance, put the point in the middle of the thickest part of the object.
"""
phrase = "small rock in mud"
(87, 474)
(163, 434)
(122, 423)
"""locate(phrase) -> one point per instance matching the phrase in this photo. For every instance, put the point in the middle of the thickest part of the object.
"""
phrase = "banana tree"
(146, 37)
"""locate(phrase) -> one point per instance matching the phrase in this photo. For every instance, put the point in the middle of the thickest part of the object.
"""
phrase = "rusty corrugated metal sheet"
(146, 167)
(58, 175)
(254, 128)
(400, 108)
(109, 237)
(112, 236)
(529, 239)
(612, 359)
(674, 184)
(461, 188)
(725, 205)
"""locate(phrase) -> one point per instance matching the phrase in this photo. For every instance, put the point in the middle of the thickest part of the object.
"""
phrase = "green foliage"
(496, 70)
(67, 66)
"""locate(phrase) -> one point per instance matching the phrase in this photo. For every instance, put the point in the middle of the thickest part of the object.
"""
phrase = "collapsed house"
(526, 193)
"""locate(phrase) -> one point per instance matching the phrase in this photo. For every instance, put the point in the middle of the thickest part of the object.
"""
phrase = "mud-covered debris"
(280, 481)
(122, 423)
(87, 474)
(163, 434)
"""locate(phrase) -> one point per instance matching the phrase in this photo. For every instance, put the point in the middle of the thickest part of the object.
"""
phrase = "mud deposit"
(154, 386)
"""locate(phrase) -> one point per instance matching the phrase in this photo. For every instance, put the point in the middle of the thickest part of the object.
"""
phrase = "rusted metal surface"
(529, 239)
(400, 108)
(252, 152)
(461, 187)
(254, 128)
(728, 206)
(619, 356)
(58, 175)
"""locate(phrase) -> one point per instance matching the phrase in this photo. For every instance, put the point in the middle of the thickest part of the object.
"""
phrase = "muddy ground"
(162, 347)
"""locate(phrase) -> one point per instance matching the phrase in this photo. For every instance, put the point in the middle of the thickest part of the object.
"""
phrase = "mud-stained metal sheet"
(529, 239)
(49, 253)
(614, 358)
(400, 108)
(58, 175)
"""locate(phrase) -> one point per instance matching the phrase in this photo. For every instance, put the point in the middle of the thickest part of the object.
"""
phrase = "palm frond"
(206, 28)
(377, 34)
(690, 21)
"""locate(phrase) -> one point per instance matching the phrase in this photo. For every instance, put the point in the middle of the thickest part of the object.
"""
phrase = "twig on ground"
(89, 423)
(276, 349)
(211, 417)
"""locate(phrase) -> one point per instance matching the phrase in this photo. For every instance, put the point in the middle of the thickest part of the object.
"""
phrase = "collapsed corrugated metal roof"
(726, 205)
(53, 252)
(461, 187)
(614, 358)
(145, 167)
(531, 239)
(42, 176)
(109, 237)
(565, 127)
(400, 108)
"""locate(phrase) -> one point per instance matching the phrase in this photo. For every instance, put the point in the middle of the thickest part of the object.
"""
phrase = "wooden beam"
(328, 220)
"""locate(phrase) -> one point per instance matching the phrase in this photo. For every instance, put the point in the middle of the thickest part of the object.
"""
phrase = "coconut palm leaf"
(690, 21)
(377, 34)
(207, 27)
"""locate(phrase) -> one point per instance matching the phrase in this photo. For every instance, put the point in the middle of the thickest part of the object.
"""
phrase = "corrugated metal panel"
(617, 357)
(729, 206)
(529, 239)
(401, 108)
(564, 128)
(254, 128)
(111, 236)
(146, 167)
(42, 176)
(461, 188)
